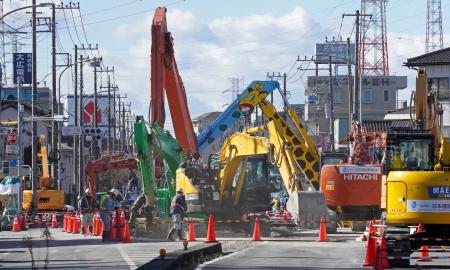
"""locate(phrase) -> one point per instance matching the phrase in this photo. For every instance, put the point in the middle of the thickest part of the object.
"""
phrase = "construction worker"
(86, 208)
(107, 205)
(178, 209)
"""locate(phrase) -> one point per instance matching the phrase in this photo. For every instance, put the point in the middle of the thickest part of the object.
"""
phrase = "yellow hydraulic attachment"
(47, 198)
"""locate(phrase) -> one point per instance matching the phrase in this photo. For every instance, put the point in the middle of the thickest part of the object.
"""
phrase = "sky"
(217, 40)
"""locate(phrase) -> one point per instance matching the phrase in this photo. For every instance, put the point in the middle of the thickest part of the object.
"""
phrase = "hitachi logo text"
(360, 177)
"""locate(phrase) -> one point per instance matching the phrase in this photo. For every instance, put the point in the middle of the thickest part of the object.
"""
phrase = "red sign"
(89, 113)
(11, 138)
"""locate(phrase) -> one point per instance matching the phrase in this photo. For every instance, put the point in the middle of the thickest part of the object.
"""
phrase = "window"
(440, 86)
(386, 95)
(367, 96)
(337, 96)
(410, 154)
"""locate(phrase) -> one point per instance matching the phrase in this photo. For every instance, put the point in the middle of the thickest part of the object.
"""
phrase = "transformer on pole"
(373, 39)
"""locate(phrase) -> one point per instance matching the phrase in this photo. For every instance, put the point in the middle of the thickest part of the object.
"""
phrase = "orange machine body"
(348, 186)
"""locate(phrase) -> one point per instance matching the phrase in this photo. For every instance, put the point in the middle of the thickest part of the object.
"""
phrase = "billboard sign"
(88, 110)
(23, 67)
(337, 51)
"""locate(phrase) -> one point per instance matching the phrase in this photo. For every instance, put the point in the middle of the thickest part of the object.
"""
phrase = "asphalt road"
(289, 254)
(68, 251)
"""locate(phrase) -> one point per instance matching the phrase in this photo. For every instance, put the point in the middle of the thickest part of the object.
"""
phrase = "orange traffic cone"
(379, 260)
(424, 255)
(191, 233)
(64, 226)
(370, 251)
(95, 225)
(256, 231)
(322, 231)
(211, 234)
(285, 216)
(126, 234)
(384, 252)
(54, 222)
(112, 231)
(77, 224)
(16, 226)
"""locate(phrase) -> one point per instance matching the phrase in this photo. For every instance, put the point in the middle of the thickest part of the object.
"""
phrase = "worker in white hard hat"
(178, 209)
(86, 209)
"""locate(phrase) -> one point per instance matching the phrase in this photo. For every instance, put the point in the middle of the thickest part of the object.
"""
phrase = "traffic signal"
(5, 164)
(96, 133)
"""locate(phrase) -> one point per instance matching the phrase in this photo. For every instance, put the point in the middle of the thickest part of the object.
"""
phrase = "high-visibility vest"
(103, 198)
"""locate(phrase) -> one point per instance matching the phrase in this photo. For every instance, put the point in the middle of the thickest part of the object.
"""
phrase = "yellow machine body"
(47, 199)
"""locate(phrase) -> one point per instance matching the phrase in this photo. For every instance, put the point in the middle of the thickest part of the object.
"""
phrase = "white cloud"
(208, 54)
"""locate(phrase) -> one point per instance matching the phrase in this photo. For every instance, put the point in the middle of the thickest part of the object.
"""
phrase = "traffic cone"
(379, 260)
(277, 216)
(126, 234)
(424, 255)
(211, 234)
(419, 228)
(256, 231)
(77, 224)
(94, 225)
(369, 260)
(112, 231)
(384, 252)
(322, 231)
(120, 218)
(16, 226)
(285, 216)
(54, 222)
(191, 233)
(64, 226)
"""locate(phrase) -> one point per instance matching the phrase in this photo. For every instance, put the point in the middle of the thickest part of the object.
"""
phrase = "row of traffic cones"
(211, 233)
(376, 255)
(21, 222)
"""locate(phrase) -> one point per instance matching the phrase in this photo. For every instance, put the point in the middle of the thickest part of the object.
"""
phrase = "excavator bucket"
(308, 207)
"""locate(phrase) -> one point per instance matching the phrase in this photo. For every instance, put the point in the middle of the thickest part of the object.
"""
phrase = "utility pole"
(108, 87)
(356, 80)
(350, 90)
(75, 137)
(81, 123)
(285, 92)
(330, 84)
(55, 102)
(34, 165)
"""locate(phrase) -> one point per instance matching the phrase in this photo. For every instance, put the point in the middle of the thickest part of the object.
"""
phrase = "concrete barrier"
(185, 259)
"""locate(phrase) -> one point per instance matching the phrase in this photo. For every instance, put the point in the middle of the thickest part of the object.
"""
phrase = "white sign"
(433, 206)
(71, 131)
(12, 149)
(359, 169)
(337, 50)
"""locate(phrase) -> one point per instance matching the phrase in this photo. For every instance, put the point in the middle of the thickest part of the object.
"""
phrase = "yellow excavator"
(296, 156)
(418, 187)
(48, 198)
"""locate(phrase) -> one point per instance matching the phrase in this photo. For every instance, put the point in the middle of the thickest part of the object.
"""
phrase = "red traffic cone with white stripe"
(371, 250)
(16, 225)
(54, 221)
(211, 233)
(424, 255)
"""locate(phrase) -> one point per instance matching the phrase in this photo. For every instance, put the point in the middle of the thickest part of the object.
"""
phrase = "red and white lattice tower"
(434, 37)
(374, 49)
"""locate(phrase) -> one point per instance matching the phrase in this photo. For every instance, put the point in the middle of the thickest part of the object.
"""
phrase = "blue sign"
(23, 67)
(439, 192)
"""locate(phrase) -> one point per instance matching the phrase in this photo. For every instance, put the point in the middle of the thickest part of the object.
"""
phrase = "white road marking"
(200, 267)
(126, 258)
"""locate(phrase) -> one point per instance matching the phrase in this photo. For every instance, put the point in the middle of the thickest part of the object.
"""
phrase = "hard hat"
(88, 190)
(180, 190)
(114, 191)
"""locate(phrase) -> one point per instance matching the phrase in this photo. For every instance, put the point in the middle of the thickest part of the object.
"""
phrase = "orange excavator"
(353, 189)
(114, 162)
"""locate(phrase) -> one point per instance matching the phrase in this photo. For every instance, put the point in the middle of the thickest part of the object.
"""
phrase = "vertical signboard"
(22, 67)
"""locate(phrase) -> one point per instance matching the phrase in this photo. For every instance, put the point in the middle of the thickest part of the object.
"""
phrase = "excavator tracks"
(398, 247)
